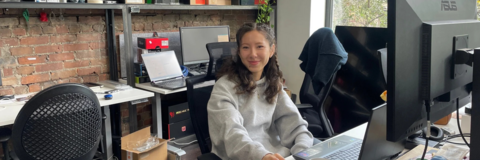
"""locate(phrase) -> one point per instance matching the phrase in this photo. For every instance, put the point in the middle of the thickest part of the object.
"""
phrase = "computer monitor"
(359, 79)
(195, 39)
(422, 38)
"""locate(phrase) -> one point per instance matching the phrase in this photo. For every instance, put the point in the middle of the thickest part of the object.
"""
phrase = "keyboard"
(171, 84)
(350, 152)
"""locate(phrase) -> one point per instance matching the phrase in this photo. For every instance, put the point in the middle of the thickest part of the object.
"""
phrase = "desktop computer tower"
(178, 124)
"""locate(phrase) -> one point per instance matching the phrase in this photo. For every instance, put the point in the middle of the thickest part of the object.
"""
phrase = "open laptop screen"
(163, 65)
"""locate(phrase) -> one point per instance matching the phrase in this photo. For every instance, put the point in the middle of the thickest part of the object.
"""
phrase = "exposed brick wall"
(74, 50)
(49, 53)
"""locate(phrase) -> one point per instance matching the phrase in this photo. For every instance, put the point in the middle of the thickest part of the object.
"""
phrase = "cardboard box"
(218, 2)
(95, 1)
(289, 93)
(158, 152)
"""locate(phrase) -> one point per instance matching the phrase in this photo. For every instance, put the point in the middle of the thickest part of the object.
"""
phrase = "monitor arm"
(464, 56)
(467, 56)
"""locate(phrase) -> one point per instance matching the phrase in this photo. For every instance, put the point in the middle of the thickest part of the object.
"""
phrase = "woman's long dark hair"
(238, 72)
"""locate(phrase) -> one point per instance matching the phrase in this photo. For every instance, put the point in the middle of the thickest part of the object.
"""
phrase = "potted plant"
(264, 11)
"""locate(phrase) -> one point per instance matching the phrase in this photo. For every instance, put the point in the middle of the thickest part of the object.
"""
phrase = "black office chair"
(312, 108)
(197, 103)
(60, 122)
(5, 134)
(218, 52)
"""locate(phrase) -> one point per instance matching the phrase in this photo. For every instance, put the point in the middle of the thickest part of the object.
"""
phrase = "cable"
(183, 144)
(427, 107)
(458, 123)
(456, 143)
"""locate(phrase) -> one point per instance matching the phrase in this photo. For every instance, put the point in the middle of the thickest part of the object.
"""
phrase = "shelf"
(120, 6)
(60, 5)
(194, 7)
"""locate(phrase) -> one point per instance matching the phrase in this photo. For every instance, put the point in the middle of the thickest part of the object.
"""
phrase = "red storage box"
(152, 42)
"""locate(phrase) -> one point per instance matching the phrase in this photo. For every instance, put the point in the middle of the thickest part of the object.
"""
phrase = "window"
(362, 13)
(478, 9)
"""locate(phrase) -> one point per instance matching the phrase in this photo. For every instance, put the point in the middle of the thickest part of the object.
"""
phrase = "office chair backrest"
(218, 52)
(308, 96)
(60, 122)
(197, 103)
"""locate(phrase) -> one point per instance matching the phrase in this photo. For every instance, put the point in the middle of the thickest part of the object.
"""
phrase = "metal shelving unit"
(195, 7)
(60, 5)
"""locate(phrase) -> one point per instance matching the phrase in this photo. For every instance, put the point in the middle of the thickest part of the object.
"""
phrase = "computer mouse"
(108, 97)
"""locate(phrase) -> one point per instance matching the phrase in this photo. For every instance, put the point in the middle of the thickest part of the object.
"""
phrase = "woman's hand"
(275, 156)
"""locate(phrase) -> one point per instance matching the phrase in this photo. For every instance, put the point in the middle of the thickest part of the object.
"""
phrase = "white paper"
(6, 101)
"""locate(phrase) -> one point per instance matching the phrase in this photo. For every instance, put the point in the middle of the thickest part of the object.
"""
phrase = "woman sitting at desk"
(249, 114)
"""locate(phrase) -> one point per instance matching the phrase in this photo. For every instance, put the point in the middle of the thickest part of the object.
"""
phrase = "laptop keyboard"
(351, 152)
(176, 83)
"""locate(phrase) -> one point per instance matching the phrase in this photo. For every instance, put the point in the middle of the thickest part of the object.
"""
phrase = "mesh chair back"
(197, 103)
(60, 122)
(218, 52)
(308, 96)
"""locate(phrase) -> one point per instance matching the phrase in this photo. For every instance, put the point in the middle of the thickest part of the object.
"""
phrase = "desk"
(9, 111)
(359, 131)
(156, 103)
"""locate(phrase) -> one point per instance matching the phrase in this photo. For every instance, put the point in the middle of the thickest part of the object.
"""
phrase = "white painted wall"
(317, 15)
(296, 21)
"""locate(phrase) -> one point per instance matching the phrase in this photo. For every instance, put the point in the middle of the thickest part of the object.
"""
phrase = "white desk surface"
(357, 132)
(149, 87)
(9, 111)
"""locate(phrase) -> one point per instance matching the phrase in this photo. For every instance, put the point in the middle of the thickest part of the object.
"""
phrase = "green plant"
(365, 13)
(264, 12)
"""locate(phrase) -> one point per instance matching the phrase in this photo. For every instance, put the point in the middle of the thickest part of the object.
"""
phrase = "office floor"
(192, 150)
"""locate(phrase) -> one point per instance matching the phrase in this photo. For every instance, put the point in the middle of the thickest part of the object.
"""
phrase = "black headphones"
(436, 133)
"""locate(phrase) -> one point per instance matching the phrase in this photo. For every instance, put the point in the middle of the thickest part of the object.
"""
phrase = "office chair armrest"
(294, 98)
(301, 106)
(209, 156)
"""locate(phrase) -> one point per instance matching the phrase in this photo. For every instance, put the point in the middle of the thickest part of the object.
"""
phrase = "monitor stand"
(475, 127)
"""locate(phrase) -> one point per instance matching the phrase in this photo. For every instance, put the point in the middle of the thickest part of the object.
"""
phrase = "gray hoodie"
(248, 127)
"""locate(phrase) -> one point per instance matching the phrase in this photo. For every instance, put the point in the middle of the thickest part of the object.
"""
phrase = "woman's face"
(255, 51)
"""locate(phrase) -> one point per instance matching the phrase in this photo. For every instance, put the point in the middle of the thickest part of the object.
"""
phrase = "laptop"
(164, 70)
(374, 145)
